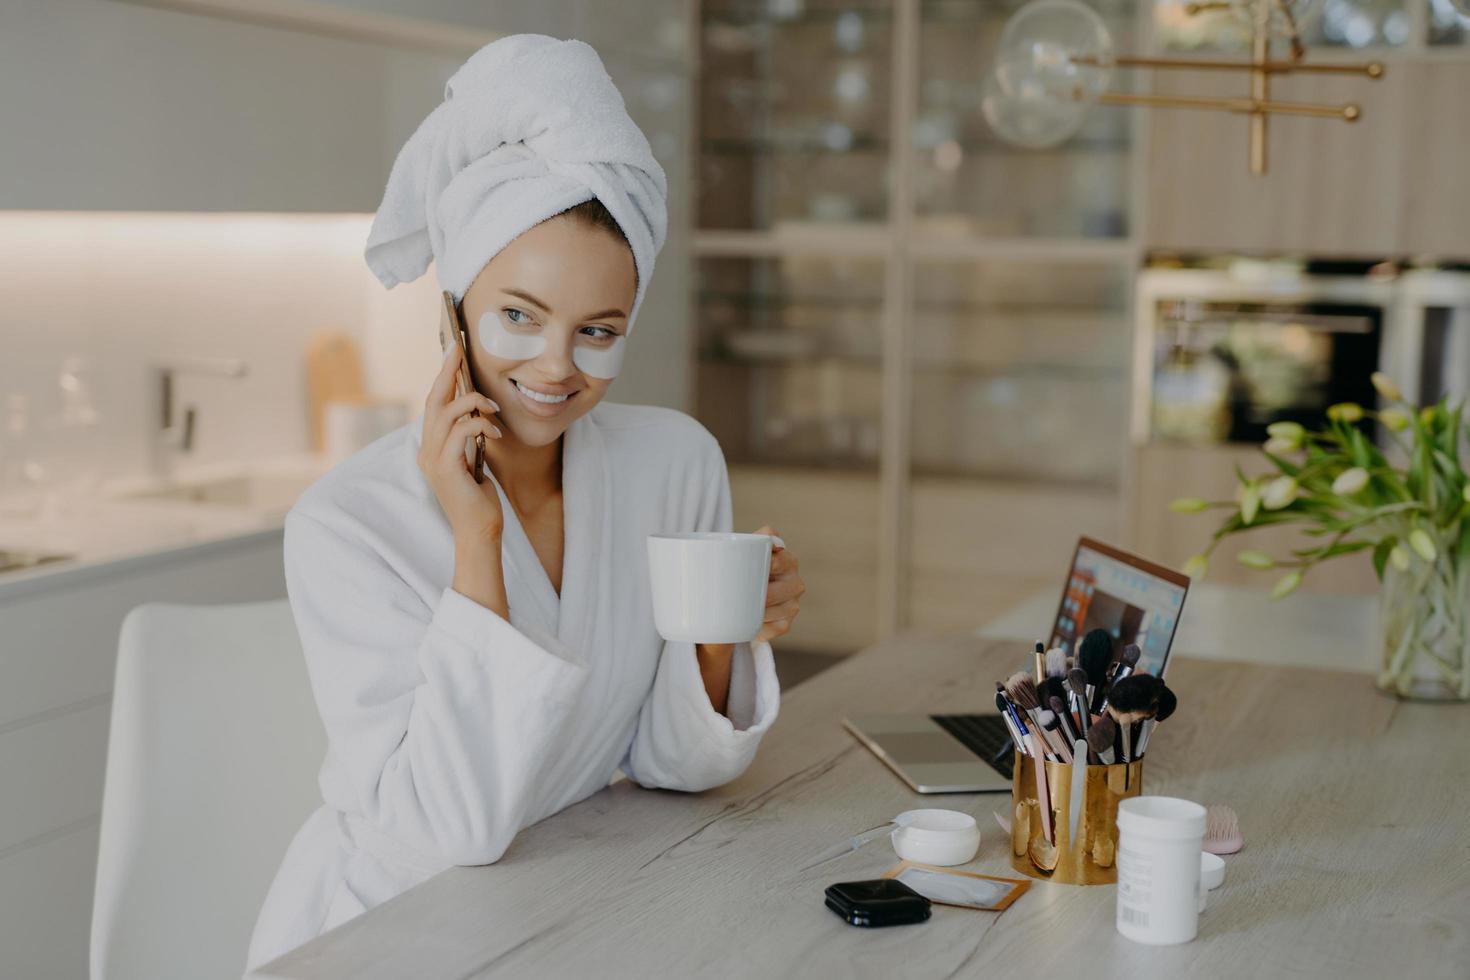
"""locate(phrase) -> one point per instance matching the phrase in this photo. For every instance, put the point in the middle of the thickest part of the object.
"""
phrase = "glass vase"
(1424, 618)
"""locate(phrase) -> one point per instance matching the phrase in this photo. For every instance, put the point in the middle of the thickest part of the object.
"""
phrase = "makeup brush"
(1135, 697)
(1100, 739)
(1052, 725)
(1028, 698)
(1167, 703)
(1004, 707)
(1056, 662)
(1021, 691)
(1127, 662)
(1132, 699)
(1077, 684)
(1093, 657)
(1125, 674)
(1040, 661)
(1052, 687)
(1059, 708)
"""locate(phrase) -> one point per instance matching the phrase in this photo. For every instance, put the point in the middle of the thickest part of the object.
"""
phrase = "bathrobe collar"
(579, 615)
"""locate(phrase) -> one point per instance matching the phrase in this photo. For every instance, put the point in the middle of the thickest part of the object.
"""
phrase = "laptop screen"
(1134, 600)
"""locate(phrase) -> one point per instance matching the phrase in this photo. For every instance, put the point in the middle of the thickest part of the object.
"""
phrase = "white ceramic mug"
(710, 587)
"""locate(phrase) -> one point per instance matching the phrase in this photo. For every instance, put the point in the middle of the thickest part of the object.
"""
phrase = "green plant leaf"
(1358, 448)
(1285, 466)
(1332, 551)
(1380, 555)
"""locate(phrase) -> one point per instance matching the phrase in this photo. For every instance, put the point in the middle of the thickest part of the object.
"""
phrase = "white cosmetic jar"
(942, 837)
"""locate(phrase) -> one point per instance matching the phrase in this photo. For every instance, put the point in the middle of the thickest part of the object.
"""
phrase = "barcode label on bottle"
(1132, 916)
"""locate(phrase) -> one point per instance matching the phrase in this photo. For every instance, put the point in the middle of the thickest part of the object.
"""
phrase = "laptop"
(1134, 599)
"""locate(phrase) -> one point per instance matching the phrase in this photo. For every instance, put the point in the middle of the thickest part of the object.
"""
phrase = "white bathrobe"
(449, 728)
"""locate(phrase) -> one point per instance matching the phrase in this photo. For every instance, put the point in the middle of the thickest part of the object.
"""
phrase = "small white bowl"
(1211, 870)
(942, 837)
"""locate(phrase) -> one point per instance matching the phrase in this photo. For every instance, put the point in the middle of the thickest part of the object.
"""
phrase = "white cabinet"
(1330, 187)
(113, 106)
(58, 649)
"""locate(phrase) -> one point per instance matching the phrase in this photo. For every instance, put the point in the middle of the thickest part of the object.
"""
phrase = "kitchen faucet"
(174, 434)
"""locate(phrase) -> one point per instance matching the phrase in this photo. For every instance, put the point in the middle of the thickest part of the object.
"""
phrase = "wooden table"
(1353, 806)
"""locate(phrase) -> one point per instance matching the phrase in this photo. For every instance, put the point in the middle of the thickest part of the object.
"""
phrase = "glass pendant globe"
(1059, 47)
(1033, 118)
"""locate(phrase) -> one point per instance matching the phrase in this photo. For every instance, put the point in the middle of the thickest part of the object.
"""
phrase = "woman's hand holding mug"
(783, 590)
(716, 587)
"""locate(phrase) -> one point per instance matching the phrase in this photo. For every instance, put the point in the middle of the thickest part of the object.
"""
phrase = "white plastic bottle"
(1159, 843)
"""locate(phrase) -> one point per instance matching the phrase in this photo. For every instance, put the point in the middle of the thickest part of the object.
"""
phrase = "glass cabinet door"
(1328, 24)
(969, 182)
(1020, 369)
(1019, 425)
(1449, 26)
(793, 112)
(789, 359)
(789, 382)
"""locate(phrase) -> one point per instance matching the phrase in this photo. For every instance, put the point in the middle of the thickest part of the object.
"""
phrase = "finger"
(780, 590)
(459, 434)
(767, 529)
(461, 406)
(783, 611)
(772, 630)
(783, 563)
(443, 381)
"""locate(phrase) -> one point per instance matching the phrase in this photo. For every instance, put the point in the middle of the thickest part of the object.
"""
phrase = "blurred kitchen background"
(933, 357)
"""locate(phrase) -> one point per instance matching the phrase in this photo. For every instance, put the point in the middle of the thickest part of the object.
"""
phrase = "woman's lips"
(542, 409)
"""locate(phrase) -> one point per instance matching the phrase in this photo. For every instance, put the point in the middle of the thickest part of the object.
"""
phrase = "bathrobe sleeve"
(440, 716)
(681, 742)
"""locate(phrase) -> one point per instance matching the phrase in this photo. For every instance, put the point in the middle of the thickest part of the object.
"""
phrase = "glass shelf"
(793, 96)
(1021, 367)
(789, 364)
(1334, 24)
(963, 172)
(1447, 26)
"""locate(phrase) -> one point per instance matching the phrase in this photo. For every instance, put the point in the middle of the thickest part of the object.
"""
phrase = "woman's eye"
(600, 334)
(518, 317)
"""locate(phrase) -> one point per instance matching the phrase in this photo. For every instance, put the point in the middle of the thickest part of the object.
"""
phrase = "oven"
(1220, 353)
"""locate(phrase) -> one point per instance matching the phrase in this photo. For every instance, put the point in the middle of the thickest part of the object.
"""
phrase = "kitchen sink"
(253, 491)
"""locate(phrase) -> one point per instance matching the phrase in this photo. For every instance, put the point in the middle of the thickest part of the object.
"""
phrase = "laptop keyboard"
(984, 735)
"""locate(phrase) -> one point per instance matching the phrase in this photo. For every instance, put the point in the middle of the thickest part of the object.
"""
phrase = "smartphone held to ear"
(452, 333)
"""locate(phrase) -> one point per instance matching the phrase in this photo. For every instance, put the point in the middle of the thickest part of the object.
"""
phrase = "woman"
(483, 654)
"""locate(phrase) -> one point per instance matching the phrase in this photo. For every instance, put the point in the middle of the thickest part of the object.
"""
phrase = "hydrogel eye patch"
(601, 362)
(501, 341)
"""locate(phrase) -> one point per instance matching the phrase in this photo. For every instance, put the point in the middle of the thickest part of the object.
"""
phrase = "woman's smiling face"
(568, 283)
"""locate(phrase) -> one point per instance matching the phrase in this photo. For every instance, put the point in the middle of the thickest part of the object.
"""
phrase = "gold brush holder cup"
(1092, 858)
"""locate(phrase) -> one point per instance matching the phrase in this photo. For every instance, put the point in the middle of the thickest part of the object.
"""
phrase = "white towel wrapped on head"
(530, 126)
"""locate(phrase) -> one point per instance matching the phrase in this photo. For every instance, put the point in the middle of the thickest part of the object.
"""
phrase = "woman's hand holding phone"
(473, 508)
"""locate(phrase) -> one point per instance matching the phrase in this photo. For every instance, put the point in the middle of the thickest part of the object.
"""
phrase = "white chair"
(211, 768)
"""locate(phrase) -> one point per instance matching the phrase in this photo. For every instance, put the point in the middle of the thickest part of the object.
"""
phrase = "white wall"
(120, 289)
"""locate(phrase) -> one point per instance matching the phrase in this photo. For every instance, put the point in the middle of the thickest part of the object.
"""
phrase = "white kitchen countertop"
(1232, 622)
(112, 530)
